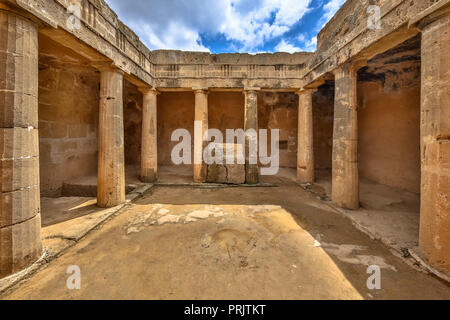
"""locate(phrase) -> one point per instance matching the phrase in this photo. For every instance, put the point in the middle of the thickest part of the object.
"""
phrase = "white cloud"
(255, 26)
(178, 24)
(284, 46)
(330, 10)
(310, 45)
(175, 37)
(171, 24)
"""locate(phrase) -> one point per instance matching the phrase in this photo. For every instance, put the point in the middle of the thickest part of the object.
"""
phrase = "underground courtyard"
(115, 160)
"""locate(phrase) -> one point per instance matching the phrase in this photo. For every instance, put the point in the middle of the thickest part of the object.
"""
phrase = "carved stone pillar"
(111, 163)
(305, 143)
(251, 122)
(345, 180)
(20, 221)
(201, 127)
(434, 240)
(149, 149)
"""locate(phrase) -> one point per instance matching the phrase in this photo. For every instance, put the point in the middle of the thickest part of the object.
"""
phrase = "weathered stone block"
(18, 75)
(18, 143)
(52, 130)
(236, 174)
(217, 173)
(18, 206)
(20, 246)
(18, 110)
(18, 173)
(77, 131)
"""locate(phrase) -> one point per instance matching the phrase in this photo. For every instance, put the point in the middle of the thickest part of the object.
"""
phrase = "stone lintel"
(249, 89)
(23, 9)
(431, 14)
(203, 90)
(147, 89)
(353, 65)
(306, 91)
(107, 66)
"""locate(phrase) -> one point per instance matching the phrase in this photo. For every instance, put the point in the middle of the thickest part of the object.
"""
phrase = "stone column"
(345, 181)
(305, 143)
(20, 222)
(111, 163)
(149, 148)
(251, 122)
(201, 127)
(434, 237)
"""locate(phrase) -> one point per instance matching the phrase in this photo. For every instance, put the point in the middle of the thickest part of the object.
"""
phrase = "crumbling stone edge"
(11, 282)
(216, 185)
(409, 255)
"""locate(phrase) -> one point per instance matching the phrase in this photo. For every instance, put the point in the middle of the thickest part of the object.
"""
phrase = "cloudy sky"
(227, 25)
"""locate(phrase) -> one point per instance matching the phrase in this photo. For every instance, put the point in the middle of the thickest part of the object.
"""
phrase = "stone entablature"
(346, 36)
(111, 39)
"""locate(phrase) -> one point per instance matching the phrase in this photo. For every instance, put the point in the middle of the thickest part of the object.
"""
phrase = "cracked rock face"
(226, 173)
(158, 215)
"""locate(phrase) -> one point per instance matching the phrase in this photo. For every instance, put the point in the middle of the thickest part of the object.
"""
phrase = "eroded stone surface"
(344, 45)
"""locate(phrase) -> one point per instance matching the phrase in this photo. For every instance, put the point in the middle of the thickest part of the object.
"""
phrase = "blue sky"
(218, 26)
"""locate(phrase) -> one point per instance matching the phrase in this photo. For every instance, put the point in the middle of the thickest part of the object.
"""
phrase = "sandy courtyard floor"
(229, 243)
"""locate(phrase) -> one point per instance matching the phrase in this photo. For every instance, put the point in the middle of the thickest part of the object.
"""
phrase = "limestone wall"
(68, 118)
(175, 111)
(280, 111)
(389, 117)
(345, 37)
(132, 118)
(226, 111)
(323, 113)
(348, 36)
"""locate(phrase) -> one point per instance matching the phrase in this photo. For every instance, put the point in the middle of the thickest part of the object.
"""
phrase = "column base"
(251, 174)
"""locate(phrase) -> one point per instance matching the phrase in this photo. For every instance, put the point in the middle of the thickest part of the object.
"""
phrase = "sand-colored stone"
(379, 142)
(434, 237)
(201, 117)
(345, 139)
(251, 123)
(20, 242)
(149, 150)
(20, 246)
(305, 153)
(111, 163)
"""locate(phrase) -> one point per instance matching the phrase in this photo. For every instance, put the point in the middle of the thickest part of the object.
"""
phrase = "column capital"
(200, 90)
(251, 90)
(351, 66)
(431, 14)
(147, 89)
(248, 89)
(106, 66)
(306, 91)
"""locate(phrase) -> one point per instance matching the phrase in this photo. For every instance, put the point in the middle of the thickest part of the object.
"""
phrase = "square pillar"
(149, 148)
(305, 143)
(111, 163)
(345, 177)
(200, 128)
(251, 123)
(434, 239)
(20, 221)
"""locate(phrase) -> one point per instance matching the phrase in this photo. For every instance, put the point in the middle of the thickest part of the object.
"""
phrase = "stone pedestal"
(149, 149)
(434, 240)
(228, 173)
(201, 127)
(20, 223)
(345, 180)
(305, 153)
(111, 168)
(251, 122)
